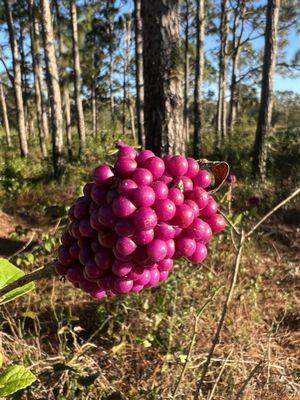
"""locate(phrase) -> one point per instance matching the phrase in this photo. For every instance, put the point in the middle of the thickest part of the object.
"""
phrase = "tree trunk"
(186, 70)
(5, 115)
(221, 106)
(25, 93)
(139, 72)
(163, 92)
(266, 97)
(111, 88)
(131, 113)
(77, 82)
(67, 111)
(17, 81)
(127, 33)
(94, 107)
(239, 15)
(36, 71)
(54, 90)
(199, 72)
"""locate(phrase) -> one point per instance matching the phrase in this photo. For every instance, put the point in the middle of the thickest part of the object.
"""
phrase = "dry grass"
(135, 346)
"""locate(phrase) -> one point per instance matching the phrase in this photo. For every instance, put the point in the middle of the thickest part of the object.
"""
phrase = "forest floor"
(135, 346)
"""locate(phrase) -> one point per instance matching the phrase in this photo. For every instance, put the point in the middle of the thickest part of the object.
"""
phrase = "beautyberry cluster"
(134, 220)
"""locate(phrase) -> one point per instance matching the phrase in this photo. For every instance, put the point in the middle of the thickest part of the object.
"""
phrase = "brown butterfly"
(219, 170)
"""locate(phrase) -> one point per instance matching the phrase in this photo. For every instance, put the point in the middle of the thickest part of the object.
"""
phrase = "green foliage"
(14, 378)
(9, 274)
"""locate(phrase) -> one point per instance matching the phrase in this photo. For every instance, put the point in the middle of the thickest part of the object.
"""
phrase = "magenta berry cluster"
(134, 220)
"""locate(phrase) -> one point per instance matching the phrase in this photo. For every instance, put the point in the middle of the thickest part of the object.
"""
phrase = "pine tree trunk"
(132, 124)
(127, 33)
(94, 107)
(5, 115)
(199, 72)
(25, 93)
(17, 81)
(221, 106)
(36, 64)
(139, 72)
(239, 15)
(111, 88)
(54, 91)
(77, 82)
(68, 124)
(39, 74)
(186, 70)
(163, 91)
(266, 98)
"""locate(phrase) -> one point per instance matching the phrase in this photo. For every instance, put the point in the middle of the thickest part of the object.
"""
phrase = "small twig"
(295, 193)
(40, 273)
(23, 247)
(230, 223)
(219, 376)
(222, 318)
(192, 342)
(252, 373)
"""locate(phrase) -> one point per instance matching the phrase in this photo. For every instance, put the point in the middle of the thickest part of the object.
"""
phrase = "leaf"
(1, 360)
(30, 257)
(29, 314)
(238, 219)
(14, 378)
(118, 347)
(48, 246)
(8, 274)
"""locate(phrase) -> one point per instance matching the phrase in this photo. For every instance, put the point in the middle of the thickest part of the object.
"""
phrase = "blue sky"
(281, 82)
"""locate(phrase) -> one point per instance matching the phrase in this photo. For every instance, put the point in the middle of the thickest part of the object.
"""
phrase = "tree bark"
(162, 77)
(68, 124)
(94, 107)
(25, 93)
(37, 78)
(54, 91)
(186, 69)
(77, 81)
(17, 81)
(266, 98)
(199, 72)
(127, 31)
(139, 72)
(5, 115)
(239, 18)
(221, 106)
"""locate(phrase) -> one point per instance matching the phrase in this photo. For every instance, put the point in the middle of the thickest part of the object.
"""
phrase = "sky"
(281, 82)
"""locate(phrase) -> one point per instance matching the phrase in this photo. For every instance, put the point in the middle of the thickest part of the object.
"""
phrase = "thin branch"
(23, 247)
(40, 273)
(240, 393)
(223, 315)
(230, 223)
(192, 342)
(295, 193)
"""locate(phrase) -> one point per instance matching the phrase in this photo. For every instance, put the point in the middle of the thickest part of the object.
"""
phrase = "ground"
(135, 346)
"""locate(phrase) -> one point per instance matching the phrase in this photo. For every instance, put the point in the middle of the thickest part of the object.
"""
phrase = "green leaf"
(8, 274)
(238, 219)
(14, 378)
(48, 246)
(1, 360)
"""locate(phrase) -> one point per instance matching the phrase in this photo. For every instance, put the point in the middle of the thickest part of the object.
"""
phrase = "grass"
(135, 346)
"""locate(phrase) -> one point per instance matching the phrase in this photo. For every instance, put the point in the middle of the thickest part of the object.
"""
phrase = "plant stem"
(223, 315)
(40, 273)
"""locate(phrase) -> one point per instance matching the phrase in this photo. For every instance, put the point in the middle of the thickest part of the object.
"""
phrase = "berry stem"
(40, 273)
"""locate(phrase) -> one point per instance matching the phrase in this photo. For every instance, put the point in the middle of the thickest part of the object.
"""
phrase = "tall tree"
(237, 34)
(139, 72)
(77, 81)
(54, 90)
(266, 98)
(17, 81)
(5, 115)
(42, 122)
(126, 64)
(186, 68)
(163, 92)
(221, 106)
(199, 72)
